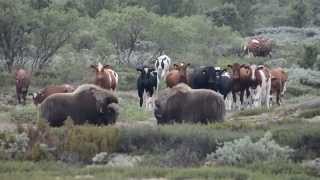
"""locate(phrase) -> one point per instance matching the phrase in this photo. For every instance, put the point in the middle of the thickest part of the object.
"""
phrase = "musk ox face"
(103, 100)
(161, 106)
(168, 103)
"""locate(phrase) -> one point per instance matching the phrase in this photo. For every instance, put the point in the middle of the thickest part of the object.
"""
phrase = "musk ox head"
(168, 103)
(103, 99)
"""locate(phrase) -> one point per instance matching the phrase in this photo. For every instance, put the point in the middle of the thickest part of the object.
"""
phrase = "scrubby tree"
(226, 15)
(299, 13)
(54, 27)
(15, 26)
(124, 29)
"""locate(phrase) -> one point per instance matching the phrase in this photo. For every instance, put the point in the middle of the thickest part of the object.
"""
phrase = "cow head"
(209, 75)
(181, 66)
(37, 97)
(147, 72)
(100, 73)
(240, 72)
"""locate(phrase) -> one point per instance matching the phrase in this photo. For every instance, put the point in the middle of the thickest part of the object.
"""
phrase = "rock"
(313, 164)
(100, 158)
(84, 177)
(123, 160)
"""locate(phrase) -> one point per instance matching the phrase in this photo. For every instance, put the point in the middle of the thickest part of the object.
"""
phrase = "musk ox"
(88, 103)
(22, 84)
(181, 103)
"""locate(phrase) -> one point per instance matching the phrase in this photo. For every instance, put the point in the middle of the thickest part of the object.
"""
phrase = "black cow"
(209, 77)
(147, 81)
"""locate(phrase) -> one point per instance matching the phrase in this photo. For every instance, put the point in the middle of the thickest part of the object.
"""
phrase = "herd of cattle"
(193, 94)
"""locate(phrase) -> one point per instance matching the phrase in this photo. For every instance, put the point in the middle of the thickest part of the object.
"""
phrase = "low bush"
(24, 114)
(304, 138)
(253, 112)
(244, 151)
(198, 138)
(310, 113)
(87, 141)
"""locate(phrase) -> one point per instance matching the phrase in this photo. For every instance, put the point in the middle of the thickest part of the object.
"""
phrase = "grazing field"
(224, 45)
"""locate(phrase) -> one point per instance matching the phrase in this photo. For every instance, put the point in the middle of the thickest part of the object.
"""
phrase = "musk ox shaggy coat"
(181, 103)
(88, 103)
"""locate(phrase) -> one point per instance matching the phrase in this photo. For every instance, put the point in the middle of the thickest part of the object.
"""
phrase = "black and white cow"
(147, 82)
(214, 78)
(162, 66)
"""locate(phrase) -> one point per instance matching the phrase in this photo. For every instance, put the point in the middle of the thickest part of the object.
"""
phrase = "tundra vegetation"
(58, 40)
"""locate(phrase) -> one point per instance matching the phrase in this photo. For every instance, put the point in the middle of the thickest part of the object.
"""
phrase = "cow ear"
(139, 69)
(93, 67)
(175, 66)
(229, 66)
(188, 64)
(107, 66)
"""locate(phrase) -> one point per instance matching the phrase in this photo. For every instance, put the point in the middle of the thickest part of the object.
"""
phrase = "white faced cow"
(162, 65)
(260, 86)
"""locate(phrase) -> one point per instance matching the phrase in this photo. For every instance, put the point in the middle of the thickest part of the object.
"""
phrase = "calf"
(214, 78)
(279, 80)
(177, 75)
(162, 65)
(41, 95)
(105, 76)
(22, 84)
(147, 82)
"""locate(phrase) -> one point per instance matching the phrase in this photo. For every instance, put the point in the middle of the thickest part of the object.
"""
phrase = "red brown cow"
(278, 83)
(177, 75)
(260, 86)
(258, 46)
(105, 76)
(41, 95)
(253, 80)
(22, 77)
(240, 75)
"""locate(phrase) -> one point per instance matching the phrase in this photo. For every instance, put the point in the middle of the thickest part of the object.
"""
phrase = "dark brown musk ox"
(88, 103)
(181, 103)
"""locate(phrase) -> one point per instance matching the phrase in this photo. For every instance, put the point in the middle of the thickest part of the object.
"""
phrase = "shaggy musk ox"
(88, 103)
(181, 103)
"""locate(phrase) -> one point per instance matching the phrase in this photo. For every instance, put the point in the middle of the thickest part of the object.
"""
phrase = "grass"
(253, 112)
(11, 170)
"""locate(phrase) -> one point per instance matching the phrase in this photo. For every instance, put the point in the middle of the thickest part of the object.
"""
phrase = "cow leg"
(228, 101)
(257, 97)
(278, 98)
(140, 93)
(18, 96)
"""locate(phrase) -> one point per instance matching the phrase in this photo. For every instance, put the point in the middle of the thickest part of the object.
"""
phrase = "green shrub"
(198, 138)
(303, 137)
(86, 141)
(245, 151)
(253, 112)
(24, 114)
(310, 113)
